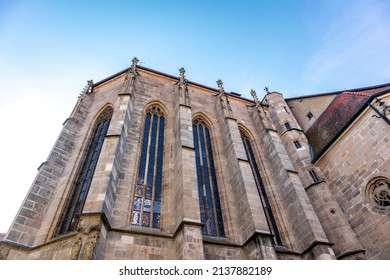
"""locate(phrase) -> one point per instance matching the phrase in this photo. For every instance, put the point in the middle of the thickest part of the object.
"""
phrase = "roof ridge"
(360, 93)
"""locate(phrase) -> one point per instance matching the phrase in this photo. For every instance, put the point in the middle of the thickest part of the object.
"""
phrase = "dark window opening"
(209, 203)
(314, 176)
(146, 209)
(297, 144)
(309, 115)
(261, 189)
(287, 125)
(81, 186)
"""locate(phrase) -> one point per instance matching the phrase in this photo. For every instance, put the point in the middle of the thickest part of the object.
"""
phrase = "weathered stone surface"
(327, 219)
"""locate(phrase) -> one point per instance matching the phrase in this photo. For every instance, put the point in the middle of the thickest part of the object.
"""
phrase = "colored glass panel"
(209, 204)
(149, 183)
(137, 203)
(148, 191)
(157, 207)
(145, 219)
(145, 140)
(200, 178)
(156, 221)
(147, 205)
(158, 185)
(152, 152)
(135, 218)
(139, 189)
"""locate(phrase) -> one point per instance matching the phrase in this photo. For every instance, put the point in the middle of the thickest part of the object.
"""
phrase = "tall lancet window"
(146, 210)
(261, 189)
(210, 207)
(81, 186)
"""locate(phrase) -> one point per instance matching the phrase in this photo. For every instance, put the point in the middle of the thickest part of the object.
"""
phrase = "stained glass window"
(261, 189)
(210, 207)
(81, 185)
(146, 210)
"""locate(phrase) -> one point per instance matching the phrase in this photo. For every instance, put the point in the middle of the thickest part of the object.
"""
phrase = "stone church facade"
(153, 166)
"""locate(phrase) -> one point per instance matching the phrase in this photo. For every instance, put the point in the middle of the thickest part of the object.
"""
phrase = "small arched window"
(146, 208)
(81, 185)
(260, 187)
(210, 207)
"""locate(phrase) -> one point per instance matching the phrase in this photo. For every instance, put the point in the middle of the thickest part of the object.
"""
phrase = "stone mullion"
(214, 208)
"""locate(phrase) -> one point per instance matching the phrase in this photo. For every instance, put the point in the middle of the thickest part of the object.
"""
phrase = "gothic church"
(154, 166)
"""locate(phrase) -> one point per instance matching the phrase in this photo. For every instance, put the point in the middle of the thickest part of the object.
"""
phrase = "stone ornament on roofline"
(227, 109)
(87, 89)
(183, 88)
(261, 111)
(131, 75)
(254, 95)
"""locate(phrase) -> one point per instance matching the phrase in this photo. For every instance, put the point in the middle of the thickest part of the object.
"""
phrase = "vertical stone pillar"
(241, 177)
(102, 192)
(336, 227)
(333, 221)
(298, 210)
(189, 237)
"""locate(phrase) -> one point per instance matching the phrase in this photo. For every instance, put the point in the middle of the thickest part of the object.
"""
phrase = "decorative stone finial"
(87, 89)
(182, 72)
(254, 95)
(227, 109)
(220, 86)
(128, 84)
(134, 63)
(183, 88)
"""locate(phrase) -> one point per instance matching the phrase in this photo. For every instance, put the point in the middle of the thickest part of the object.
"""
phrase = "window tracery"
(210, 207)
(146, 208)
(378, 193)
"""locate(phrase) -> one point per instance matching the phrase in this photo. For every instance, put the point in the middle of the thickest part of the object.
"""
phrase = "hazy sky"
(49, 49)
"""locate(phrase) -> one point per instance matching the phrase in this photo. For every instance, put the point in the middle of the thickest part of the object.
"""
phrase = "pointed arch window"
(146, 209)
(210, 207)
(260, 187)
(81, 185)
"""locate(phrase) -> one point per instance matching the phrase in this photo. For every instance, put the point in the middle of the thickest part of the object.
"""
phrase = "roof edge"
(232, 94)
(341, 131)
(337, 92)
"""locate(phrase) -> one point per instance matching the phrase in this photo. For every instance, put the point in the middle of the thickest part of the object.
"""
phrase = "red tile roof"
(340, 112)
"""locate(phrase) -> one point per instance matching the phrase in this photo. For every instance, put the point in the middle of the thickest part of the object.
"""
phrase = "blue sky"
(49, 49)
